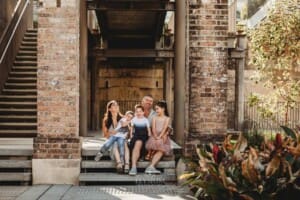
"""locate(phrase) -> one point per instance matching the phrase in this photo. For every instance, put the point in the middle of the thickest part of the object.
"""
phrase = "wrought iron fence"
(253, 120)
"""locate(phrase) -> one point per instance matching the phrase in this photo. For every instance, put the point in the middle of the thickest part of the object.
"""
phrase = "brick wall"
(58, 80)
(207, 35)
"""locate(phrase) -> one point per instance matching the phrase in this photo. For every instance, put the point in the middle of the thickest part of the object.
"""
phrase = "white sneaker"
(98, 156)
(133, 171)
(152, 170)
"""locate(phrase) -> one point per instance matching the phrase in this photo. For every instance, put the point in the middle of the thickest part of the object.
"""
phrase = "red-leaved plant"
(243, 169)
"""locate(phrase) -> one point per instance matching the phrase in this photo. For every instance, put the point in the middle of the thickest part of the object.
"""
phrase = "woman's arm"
(149, 131)
(104, 129)
(154, 128)
(164, 130)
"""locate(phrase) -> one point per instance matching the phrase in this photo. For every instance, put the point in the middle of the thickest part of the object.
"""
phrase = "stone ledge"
(55, 171)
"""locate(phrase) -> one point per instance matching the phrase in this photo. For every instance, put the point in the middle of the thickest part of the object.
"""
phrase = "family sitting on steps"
(145, 129)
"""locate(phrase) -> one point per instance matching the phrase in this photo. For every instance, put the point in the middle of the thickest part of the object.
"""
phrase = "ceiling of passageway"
(131, 23)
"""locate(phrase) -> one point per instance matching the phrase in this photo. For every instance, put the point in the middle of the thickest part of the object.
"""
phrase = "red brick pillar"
(57, 146)
(207, 54)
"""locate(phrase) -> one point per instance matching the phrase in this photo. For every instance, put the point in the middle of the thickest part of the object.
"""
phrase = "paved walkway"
(67, 192)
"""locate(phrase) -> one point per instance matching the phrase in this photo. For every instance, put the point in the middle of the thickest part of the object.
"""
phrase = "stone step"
(27, 53)
(15, 150)
(19, 91)
(24, 68)
(111, 164)
(18, 111)
(24, 43)
(25, 63)
(30, 38)
(18, 118)
(85, 152)
(32, 30)
(22, 74)
(15, 176)
(113, 178)
(17, 142)
(15, 164)
(20, 85)
(28, 48)
(16, 133)
(32, 98)
(28, 126)
(21, 80)
(31, 34)
(15, 104)
(26, 57)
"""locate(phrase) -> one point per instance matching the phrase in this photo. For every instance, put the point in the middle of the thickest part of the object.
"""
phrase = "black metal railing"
(12, 37)
(254, 121)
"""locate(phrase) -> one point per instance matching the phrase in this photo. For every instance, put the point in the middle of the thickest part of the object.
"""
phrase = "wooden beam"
(155, 6)
(159, 25)
(99, 54)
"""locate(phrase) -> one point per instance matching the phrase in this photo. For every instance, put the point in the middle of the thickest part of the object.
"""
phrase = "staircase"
(18, 99)
(15, 161)
(104, 172)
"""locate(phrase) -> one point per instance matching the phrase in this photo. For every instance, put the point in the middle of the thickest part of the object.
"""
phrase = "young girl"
(139, 136)
(159, 143)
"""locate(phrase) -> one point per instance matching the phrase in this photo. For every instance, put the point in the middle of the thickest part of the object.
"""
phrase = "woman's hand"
(112, 132)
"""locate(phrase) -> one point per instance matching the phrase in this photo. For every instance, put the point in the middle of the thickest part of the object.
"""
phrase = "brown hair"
(139, 106)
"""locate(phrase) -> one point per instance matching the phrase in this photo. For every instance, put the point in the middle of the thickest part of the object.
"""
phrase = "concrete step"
(111, 164)
(15, 104)
(20, 85)
(28, 126)
(21, 80)
(27, 53)
(28, 48)
(17, 142)
(19, 91)
(18, 111)
(15, 176)
(24, 68)
(22, 74)
(113, 178)
(25, 63)
(85, 152)
(21, 98)
(24, 43)
(30, 38)
(15, 164)
(16, 133)
(31, 34)
(18, 118)
(26, 57)
(18, 147)
(32, 30)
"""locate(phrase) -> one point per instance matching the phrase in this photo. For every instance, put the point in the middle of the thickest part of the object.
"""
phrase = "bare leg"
(127, 154)
(116, 153)
(156, 158)
(136, 152)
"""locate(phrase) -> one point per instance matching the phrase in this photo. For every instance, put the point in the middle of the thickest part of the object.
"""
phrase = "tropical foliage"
(252, 168)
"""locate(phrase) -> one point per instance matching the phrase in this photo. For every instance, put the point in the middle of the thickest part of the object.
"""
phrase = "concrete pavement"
(68, 192)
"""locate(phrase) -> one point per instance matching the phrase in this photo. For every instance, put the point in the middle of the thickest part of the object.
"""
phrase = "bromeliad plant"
(248, 169)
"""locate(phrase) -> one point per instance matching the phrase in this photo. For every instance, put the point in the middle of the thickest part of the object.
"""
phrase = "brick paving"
(65, 192)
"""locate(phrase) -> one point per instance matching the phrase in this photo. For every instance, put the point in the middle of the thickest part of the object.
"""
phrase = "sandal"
(126, 168)
(119, 167)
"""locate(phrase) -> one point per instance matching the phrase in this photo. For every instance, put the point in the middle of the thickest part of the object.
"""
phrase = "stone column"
(208, 25)
(179, 72)
(56, 158)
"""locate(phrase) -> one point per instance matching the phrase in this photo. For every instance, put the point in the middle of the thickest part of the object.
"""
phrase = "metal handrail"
(11, 28)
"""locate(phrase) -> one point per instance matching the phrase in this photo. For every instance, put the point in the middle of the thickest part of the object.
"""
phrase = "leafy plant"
(264, 170)
(275, 50)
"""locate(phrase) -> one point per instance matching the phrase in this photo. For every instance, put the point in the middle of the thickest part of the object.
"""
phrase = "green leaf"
(289, 132)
